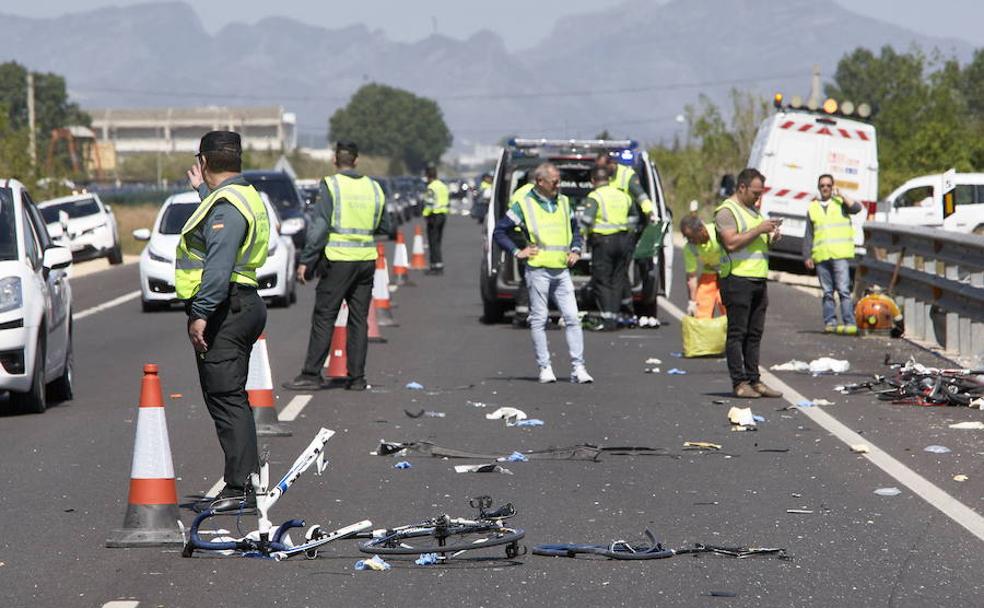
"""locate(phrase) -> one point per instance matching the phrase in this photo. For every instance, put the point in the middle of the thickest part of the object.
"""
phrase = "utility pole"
(31, 126)
(815, 97)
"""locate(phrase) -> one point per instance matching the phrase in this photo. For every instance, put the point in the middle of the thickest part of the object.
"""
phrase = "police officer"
(521, 312)
(702, 252)
(350, 209)
(437, 203)
(481, 206)
(222, 245)
(745, 236)
(828, 246)
(607, 218)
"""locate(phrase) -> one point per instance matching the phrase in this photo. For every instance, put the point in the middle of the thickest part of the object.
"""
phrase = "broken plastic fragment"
(652, 370)
(828, 365)
(510, 414)
(415, 386)
(677, 372)
(425, 413)
(375, 563)
(514, 457)
(800, 511)
(805, 403)
(860, 448)
(794, 365)
(758, 418)
(976, 425)
(677, 355)
(426, 559)
(530, 422)
(822, 402)
(888, 491)
(653, 361)
(481, 468)
(403, 464)
(960, 478)
(703, 445)
(742, 416)
(936, 449)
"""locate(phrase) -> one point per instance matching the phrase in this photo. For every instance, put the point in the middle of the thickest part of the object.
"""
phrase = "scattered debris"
(774, 450)
(916, 384)
(758, 418)
(721, 401)
(888, 491)
(654, 361)
(702, 445)
(677, 372)
(426, 559)
(794, 365)
(510, 414)
(477, 403)
(425, 413)
(576, 452)
(176, 395)
(529, 422)
(936, 449)
(677, 355)
(800, 511)
(652, 370)
(742, 418)
(804, 403)
(960, 478)
(415, 386)
(976, 425)
(723, 594)
(481, 468)
(825, 365)
(403, 464)
(822, 402)
(860, 448)
(375, 564)
(514, 457)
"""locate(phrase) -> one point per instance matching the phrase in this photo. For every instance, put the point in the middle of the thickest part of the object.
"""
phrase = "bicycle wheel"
(444, 539)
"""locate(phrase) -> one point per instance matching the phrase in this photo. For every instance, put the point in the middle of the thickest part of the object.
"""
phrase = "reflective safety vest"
(549, 231)
(440, 198)
(753, 260)
(357, 208)
(517, 197)
(708, 254)
(623, 175)
(833, 232)
(613, 210)
(189, 263)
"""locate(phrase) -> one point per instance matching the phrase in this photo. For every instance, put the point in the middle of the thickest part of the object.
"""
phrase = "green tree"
(394, 123)
(14, 159)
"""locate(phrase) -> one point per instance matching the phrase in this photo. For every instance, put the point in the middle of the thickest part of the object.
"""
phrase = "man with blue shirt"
(555, 245)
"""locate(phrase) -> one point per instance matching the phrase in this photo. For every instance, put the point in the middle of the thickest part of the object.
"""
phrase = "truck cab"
(920, 202)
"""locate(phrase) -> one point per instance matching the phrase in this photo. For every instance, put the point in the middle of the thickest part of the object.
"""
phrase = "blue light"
(626, 156)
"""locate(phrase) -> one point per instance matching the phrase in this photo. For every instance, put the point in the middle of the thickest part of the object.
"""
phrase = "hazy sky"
(520, 22)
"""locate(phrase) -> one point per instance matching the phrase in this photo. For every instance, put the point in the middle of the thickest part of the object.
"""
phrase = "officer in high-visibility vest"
(480, 207)
(702, 252)
(350, 209)
(606, 216)
(437, 204)
(222, 245)
(745, 236)
(555, 245)
(828, 245)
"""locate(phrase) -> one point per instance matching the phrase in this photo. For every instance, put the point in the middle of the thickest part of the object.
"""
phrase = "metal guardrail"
(939, 280)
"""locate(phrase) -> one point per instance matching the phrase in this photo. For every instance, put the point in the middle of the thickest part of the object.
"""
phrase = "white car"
(276, 277)
(35, 306)
(920, 202)
(83, 223)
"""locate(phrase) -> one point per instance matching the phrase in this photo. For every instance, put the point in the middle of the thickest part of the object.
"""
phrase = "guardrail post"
(912, 310)
(952, 273)
(976, 333)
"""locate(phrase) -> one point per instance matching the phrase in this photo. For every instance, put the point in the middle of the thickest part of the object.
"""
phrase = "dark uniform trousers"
(351, 282)
(610, 255)
(230, 334)
(435, 236)
(746, 301)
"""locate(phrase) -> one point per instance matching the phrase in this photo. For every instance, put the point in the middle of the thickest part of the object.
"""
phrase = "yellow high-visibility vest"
(833, 232)
(358, 205)
(753, 260)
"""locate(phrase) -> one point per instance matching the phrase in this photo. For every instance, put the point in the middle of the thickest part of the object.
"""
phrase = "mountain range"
(630, 69)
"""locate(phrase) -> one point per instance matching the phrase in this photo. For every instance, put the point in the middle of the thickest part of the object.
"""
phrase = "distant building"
(135, 130)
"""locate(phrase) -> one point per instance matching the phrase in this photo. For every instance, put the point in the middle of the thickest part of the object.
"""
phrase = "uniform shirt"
(514, 217)
(637, 192)
(708, 255)
(643, 204)
(316, 237)
(846, 209)
(223, 231)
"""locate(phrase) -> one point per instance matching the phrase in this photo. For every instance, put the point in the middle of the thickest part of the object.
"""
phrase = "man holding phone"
(745, 237)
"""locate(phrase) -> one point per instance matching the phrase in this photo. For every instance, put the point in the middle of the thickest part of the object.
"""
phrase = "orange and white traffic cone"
(151, 518)
(401, 260)
(259, 389)
(337, 364)
(374, 334)
(381, 294)
(419, 262)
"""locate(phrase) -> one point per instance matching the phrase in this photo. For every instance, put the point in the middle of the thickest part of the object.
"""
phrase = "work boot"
(356, 384)
(744, 390)
(434, 271)
(847, 330)
(830, 329)
(547, 376)
(764, 390)
(233, 500)
(303, 382)
(580, 375)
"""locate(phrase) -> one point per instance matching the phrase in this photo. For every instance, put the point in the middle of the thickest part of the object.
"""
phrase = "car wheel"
(34, 400)
(293, 292)
(61, 389)
(493, 311)
(116, 254)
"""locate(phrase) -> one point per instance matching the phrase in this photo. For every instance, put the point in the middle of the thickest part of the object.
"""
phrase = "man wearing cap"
(349, 210)
(437, 203)
(222, 245)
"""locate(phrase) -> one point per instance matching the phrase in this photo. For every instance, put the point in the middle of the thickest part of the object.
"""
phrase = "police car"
(500, 272)
(83, 223)
(35, 306)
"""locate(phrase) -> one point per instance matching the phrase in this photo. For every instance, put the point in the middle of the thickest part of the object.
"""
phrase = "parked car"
(35, 306)
(276, 278)
(920, 202)
(84, 224)
(286, 199)
(393, 212)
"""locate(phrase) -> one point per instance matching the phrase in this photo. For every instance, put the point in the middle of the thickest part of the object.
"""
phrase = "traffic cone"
(337, 364)
(401, 261)
(151, 518)
(381, 294)
(374, 334)
(419, 262)
(259, 389)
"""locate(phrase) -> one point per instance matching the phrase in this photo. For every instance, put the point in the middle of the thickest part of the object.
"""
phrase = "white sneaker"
(580, 375)
(547, 376)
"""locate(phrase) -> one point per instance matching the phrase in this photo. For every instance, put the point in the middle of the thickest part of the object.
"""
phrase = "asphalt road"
(65, 473)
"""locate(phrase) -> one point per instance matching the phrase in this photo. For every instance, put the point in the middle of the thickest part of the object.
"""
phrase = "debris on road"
(822, 402)
(477, 403)
(375, 564)
(576, 452)
(677, 372)
(916, 384)
(426, 559)
(804, 403)
(654, 361)
(175, 395)
(742, 418)
(976, 425)
(481, 468)
(510, 414)
(424, 413)
(936, 449)
(652, 370)
(800, 511)
(677, 355)
(514, 457)
(860, 448)
(529, 422)
(825, 365)
(960, 478)
(888, 491)
(415, 386)
(403, 464)
(794, 365)
(702, 445)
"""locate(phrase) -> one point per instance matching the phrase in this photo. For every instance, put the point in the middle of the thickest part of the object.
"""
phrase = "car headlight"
(11, 294)
(292, 226)
(158, 257)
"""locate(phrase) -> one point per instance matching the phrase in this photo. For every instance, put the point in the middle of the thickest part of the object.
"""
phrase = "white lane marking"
(216, 488)
(107, 305)
(121, 604)
(922, 487)
(293, 409)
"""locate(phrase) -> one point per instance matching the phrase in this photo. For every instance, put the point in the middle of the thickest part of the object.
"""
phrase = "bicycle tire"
(573, 550)
(396, 543)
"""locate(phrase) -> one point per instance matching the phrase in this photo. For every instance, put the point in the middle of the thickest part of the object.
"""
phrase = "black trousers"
(351, 282)
(747, 301)
(610, 256)
(435, 237)
(222, 369)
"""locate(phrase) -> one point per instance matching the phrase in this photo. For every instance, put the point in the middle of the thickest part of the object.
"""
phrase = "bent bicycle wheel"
(445, 539)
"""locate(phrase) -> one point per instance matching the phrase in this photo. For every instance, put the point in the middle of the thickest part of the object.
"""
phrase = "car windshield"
(8, 226)
(175, 217)
(281, 193)
(575, 181)
(75, 209)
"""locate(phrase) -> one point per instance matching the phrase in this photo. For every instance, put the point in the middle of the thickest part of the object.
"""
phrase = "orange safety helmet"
(876, 311)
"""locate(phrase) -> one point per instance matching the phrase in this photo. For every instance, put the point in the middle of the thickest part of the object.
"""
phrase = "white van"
(793, 149)
(919, 202)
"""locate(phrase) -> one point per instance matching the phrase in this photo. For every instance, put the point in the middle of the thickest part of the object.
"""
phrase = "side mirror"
(57, 257)
(142, 234)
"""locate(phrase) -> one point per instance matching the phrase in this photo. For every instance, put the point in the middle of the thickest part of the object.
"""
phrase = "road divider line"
(293, 409)
(960, 513)
(123, 299)
(216, 488)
